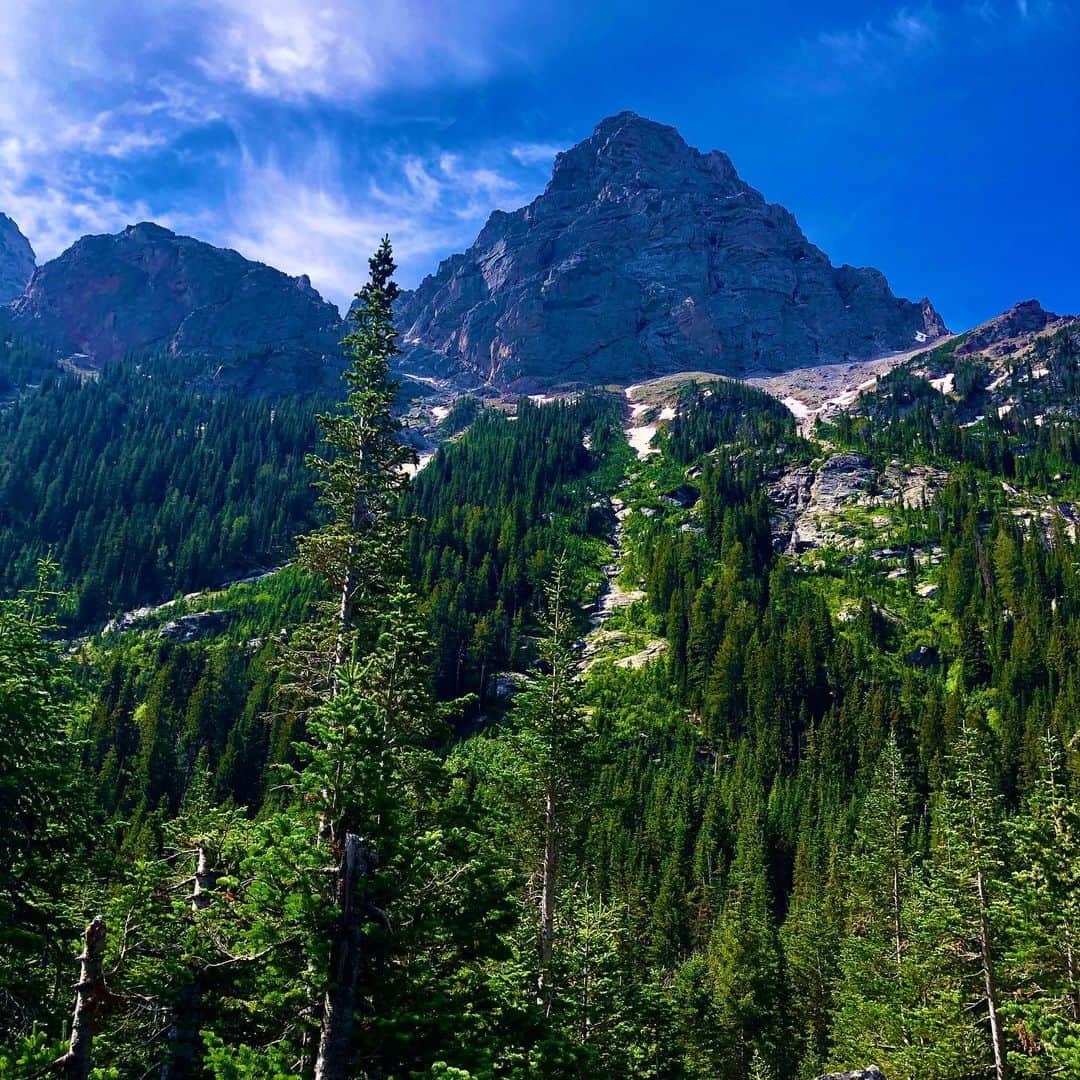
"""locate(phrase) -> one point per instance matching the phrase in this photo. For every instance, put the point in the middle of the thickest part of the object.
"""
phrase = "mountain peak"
(147, 289)
(629, 150)
(1021, 321)
(642, 257)
(148, 230)
(17, 260)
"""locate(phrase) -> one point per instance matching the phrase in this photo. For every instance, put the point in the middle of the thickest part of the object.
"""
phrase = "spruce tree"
(870, 1021)
(551, 740)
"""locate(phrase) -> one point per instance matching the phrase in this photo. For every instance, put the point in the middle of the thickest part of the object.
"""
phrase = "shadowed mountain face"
(148, 290)
(16, 260)
(642, 257)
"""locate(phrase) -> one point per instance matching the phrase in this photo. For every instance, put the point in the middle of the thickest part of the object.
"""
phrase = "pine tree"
(956, 918)
(744, 959)
(1041, 910)
(551, 740)
(870, 1021)
(360, 552)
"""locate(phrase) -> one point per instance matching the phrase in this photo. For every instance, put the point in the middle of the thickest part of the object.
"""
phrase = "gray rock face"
(194, 627)
(1021, 320)
(17, 260)
(643, 257)
(807, 503)
(871, 1073)
(147, 289)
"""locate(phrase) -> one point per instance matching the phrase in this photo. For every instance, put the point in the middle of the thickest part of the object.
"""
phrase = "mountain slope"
(644, 256)
(146, 289)
(16, 260)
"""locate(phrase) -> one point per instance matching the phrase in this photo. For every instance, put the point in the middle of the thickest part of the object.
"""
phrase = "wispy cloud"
(875, 45)
(839, 59)
(338, 50)
(321, 220)
(535, 153)
(104, 105)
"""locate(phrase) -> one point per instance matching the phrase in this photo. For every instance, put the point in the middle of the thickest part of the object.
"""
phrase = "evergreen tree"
(551, 739)
(1041, 910)
(870, 1022)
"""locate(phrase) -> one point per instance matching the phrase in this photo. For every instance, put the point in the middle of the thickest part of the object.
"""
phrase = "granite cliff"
(642, 257)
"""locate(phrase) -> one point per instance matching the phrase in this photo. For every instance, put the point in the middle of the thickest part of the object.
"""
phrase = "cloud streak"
(322, 221)
(104, 120)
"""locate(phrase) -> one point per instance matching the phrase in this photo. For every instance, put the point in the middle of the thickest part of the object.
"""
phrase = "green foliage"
(144, 487)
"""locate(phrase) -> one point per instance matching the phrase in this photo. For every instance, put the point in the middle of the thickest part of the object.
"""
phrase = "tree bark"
(989, 981)
(346, 955)
(547, 901)
(89, 997)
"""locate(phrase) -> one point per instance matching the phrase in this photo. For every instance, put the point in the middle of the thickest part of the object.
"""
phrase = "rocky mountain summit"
(146, 289)
(1005, 333)
(17, 260)
(642, 257)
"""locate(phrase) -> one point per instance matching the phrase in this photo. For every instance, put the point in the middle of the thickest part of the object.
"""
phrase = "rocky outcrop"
(870, 1073)
(643, 257)
(1019, 322)
(194, 627)
(147, 290)
(17, 260)
(808, 502)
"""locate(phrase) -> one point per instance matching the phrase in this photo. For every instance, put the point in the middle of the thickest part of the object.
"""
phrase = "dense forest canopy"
(422, 805)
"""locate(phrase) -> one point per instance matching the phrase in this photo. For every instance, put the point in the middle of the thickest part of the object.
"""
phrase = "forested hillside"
(753, 756)
(141, 486)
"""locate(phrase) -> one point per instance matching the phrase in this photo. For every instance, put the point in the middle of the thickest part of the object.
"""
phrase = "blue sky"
(939, 142)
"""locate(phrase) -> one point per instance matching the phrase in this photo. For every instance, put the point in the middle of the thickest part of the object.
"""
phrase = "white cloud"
(535, 153)
(873, 46)
(93, 90)
(342, 49)
(321, 221)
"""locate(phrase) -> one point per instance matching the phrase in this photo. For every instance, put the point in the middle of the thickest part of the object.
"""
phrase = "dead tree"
(90, 997)
(346, 958)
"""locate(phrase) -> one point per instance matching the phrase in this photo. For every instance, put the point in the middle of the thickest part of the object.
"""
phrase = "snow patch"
(425, 379)
(799, 409)
(440, 412)
(640, 437)
(412, 468)
(945, 384)
(667, 413)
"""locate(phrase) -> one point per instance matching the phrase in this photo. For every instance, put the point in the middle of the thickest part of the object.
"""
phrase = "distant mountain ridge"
(642, 257)
(147, 289)
(17, 260)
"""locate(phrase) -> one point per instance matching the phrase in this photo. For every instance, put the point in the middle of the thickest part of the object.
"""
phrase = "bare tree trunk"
(89, 997)
(989, 981)
(547, 901)
(346, 955)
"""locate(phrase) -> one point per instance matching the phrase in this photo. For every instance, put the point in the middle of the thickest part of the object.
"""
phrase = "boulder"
(870, 1073)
